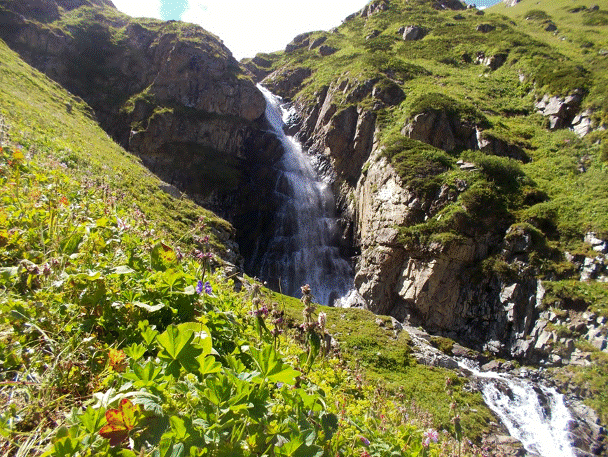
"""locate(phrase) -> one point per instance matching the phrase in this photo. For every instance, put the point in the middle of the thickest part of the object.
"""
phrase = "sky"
(250, 26)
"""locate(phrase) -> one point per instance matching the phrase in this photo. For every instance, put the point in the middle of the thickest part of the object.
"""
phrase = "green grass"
(46, 120)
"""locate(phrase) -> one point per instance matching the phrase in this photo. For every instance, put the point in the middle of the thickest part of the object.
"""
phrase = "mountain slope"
(469, 150)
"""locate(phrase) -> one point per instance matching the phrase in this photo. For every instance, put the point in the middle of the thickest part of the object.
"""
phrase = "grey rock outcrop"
(375, 8)
(285, 82)
(442, 130)
(325, 50)
(414, 33)
(561, 111)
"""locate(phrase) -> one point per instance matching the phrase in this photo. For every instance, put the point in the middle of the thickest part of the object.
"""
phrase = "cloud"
(249, 27)
(139, 8)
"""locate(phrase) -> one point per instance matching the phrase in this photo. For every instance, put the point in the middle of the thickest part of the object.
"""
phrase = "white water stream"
(534, 414)
(305, 247)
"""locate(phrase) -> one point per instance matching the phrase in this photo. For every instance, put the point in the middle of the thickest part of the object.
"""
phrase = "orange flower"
(117, 359)
(120, 422)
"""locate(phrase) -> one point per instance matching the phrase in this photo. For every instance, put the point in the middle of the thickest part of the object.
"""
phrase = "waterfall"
(305, 244)
(534, 414)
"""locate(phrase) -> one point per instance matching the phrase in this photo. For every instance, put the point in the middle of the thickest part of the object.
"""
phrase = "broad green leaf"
(174, 340)
(272, 367)
(178, 350)
(202, 335)
(135, 351)
(92, 419)
(208, 365)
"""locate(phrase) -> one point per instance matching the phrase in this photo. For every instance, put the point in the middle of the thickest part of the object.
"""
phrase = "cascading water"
(304, 248)
(534, 414)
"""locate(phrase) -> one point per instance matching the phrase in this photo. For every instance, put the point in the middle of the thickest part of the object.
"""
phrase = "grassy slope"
(46, 120)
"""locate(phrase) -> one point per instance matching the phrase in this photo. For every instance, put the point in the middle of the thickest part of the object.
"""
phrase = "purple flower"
(364, 440)
(204, 287)
(208, 289)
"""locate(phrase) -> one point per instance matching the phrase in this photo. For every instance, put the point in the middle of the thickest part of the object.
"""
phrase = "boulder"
(375, 8)
(317, 42)
(485, 28)
(442, 130)
(325, 50)
(389, 93)
(414, 32)
(561, 111)
(449, 5)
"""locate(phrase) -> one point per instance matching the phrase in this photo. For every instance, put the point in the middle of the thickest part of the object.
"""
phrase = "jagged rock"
(511, 2)
(175, 99)
(596, 243)
(485, 28)
(325, 50)
(317, 42)
(388, 93)
(581, 124)
(299, 42)
(441, 130)
(492, 62)
(413, 33)
(375, 7)
(285, 82)
(561, 111)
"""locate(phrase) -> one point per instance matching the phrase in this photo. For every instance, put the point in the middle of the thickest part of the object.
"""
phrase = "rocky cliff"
(167, 91)
(433, 182)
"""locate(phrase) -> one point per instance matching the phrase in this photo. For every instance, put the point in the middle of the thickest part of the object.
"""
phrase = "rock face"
(561, 111)
(169, 92)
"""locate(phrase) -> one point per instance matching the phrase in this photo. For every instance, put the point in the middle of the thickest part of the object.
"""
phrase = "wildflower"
(208, 288)
(322, 321)
(430, 435)
(204, 287)
(364, 440)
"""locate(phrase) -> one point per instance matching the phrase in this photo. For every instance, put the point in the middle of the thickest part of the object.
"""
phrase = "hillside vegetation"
(512, 168)
(120, 334)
